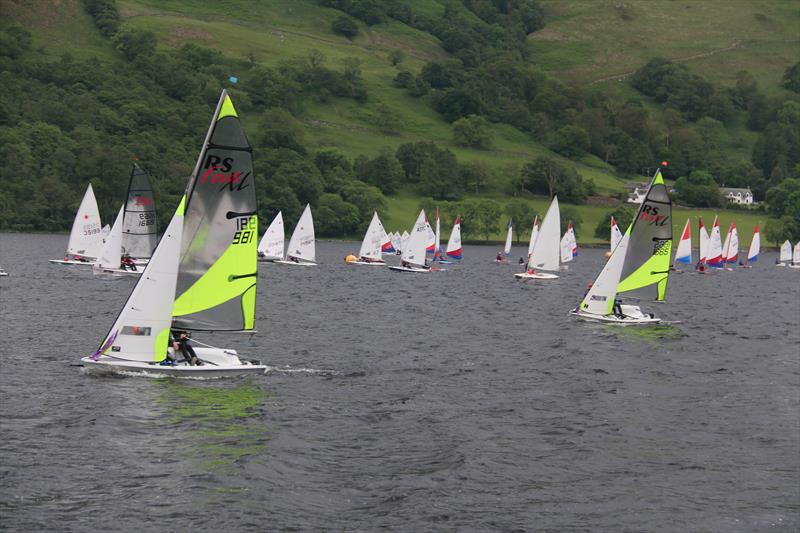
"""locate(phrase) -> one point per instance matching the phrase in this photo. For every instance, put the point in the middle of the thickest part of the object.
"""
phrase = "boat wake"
(290, 370)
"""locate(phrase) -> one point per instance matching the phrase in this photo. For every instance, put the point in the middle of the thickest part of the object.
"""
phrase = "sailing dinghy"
(301, 250)
(372, 245)
(683, 254)
(702, 263)
(453, 251)
(730, 252)
(534, 234)
(110, 260)
(202, 275)
(796, 256)
(639, 264)
(569, 245)
(413, 257)
(139, 229)
(546, 250)
(270, 248)
(85, 239)
(503, 258)
(714, 256)
(786, 254)
(754, 250)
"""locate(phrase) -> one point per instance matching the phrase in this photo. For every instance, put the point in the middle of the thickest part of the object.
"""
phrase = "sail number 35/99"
(246, 230)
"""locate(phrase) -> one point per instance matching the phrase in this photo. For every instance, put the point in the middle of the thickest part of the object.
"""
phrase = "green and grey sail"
(216, 288)
(139, 228)
(646, 268)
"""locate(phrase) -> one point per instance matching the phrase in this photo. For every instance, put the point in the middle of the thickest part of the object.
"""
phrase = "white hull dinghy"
(270, 249)
(546, 249)
(301, 251)
(372, 247)
(203, 273)
(139, 223)
(639, 264)
(86, 236)
(110, 261)
(413, 256)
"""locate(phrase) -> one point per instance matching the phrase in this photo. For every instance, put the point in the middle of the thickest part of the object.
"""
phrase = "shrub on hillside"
(344, 25)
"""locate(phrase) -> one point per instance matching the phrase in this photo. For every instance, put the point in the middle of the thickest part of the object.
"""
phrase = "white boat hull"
(218, 363)
(302, 263)
(70, 262)
(368, 263)
(632, 316)
(269, 259)
(408, 269)
(535, 275)
(116, 272)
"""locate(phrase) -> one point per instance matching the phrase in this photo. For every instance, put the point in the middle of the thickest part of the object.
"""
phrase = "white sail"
(105, 231)
(86, 237)
(404, 241)
(796, 255)
(714, 257)
(301, 245)
(271, 245)
(111, 254)
(755, 247)
(454, 244)
(438, 232)
(146, 317)
(566, 248)
(683, 253)
(430, 238)
(731, 254)
(786, 252)
(534, 234)
(600, 298)
(373, 239)
(507, 247)
(414, 250)
(573, 241)
(545, 254)
(726, 243)
(704, 238)
(616, 234)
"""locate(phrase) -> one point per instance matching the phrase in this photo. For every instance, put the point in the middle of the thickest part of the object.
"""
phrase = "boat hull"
(632, 316)
(70, 262)
(535, 275)
(408, 269)
(303, 263)
(368, 263)
(115, 272)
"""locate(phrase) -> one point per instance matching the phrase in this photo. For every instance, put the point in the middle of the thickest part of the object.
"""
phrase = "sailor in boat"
(499, 257)
(293, 259)
(127, 263)
(521, 260)
(350, 258)
(618, 309)
(180, 344)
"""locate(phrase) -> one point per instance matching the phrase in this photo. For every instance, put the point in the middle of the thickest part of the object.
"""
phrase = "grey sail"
(646, 267)
(216, 288)
(139, 228)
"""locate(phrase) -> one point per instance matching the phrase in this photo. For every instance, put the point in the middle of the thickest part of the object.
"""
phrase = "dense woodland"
(66, 122)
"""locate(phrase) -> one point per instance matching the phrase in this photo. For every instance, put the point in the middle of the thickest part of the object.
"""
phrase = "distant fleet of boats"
(202, 275)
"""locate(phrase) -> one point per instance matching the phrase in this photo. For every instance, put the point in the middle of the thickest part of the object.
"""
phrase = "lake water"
(454, 401)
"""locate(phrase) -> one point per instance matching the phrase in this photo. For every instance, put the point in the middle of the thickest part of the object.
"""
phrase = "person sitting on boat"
(499, 257)
(293, 259)
(618, 309)
(521, 260)
(180, 343)
(127, 263)
(405, 264)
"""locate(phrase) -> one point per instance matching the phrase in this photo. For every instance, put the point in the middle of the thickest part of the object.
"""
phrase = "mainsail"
(755, 247)
(139, 229)
(86, 238)
(216, 287)
(271, 245)
(600, 298)
(507, 247)
(704, 240)
(616, 234)
(534, 234)
(646, 267)
(454, 244)
(110, 254)
(414, 251)
(684, 252)
(373, 239)
(302, 242)
(714, 257)
(545, 253)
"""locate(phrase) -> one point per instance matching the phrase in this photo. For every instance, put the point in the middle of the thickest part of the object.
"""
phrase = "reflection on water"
(651, 333)
(219, 420)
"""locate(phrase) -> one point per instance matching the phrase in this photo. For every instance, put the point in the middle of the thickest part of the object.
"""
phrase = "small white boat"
(702, 262)
(110, 260)
(683, 253)
(139, 223)
(714, 256)
(796, 256)
(453, 253)
(730, 251)
(785, 255)
(86, 236)
(375, 240)
(301, 250)
(203, 273)
(754, 250)
(413, 256)
(546, 251)
(639, 263)
(271, 246)
(3, 273)
(568, 245)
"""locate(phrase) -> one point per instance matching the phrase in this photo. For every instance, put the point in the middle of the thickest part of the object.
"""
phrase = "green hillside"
(587, 50)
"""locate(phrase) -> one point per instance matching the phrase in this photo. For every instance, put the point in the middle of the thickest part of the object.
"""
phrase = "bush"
(344, 25)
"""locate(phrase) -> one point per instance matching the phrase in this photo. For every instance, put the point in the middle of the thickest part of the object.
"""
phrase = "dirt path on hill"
(733, 46)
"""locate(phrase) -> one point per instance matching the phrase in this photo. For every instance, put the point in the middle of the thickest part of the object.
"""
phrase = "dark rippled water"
(456, 401)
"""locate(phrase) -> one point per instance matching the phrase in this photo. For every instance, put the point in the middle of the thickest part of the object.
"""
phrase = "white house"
(737, 196)
(636, 192)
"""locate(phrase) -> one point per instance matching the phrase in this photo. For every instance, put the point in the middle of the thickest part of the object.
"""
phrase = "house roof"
(734, 190)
